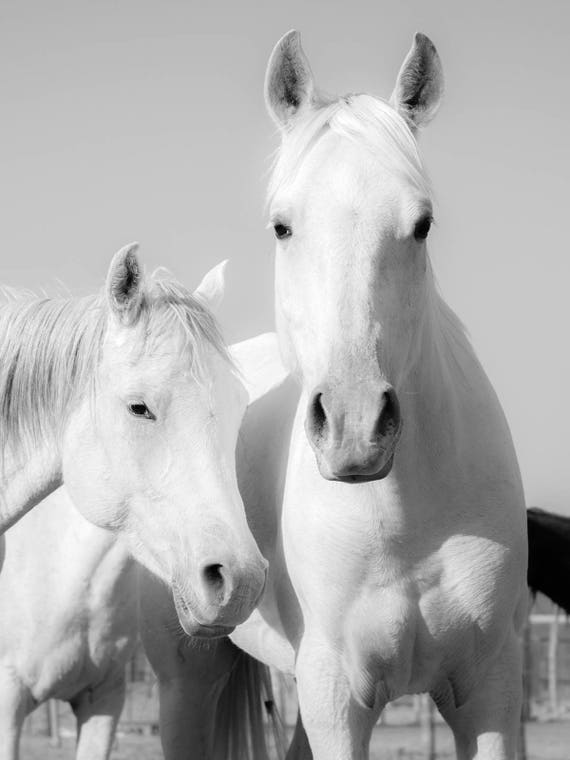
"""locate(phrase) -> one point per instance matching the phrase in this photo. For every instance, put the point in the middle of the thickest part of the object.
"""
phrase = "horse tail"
(247, 724)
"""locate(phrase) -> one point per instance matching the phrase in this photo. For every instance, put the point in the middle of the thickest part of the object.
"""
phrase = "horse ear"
(124, 285)
(211, 290)
(420, 84)
(289, 84)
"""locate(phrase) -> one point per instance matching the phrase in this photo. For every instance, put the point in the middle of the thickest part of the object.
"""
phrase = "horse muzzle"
(219, 597)
(354, 433)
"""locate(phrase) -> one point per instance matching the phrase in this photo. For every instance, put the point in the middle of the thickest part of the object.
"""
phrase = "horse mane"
(549, 555)
(362, 118)
(51, 347)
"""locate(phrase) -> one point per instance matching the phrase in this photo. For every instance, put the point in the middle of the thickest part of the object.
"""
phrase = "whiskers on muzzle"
(218, 595)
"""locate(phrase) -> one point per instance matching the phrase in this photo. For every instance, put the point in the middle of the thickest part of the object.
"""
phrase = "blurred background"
(129, 119)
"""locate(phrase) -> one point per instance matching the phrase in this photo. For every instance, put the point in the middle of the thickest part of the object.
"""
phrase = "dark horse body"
(549, 555)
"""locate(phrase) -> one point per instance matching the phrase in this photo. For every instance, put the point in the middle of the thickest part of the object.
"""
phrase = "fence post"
(526, 684)
(53, 723)
(383, 717)
(418, 707)
(552, 660)
(427, 724)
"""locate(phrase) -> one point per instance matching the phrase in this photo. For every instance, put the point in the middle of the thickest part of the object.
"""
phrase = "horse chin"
(356, 477)
(208, 631)
(193, 627)
(197, 630)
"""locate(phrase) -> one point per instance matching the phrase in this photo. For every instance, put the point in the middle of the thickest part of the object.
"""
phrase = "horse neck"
(445, 386)
(27, 481)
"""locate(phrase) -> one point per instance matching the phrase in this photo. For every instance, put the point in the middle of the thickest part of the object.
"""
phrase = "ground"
(545, 741)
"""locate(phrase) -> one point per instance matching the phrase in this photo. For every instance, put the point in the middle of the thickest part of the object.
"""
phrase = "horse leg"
(486, 726)
(97, 712)
(337, 726)
(14, 706)
(299, 748)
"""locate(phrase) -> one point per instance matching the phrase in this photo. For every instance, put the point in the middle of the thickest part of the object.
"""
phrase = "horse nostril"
(317, 416)
(389, 417)
(213, 576)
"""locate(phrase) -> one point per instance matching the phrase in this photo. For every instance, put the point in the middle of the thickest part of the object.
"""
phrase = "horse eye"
(141, 410)
(422, 228)
(282, 231)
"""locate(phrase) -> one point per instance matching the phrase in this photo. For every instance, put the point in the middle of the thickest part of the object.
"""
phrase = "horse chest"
(412, 586)
(406, 617)
(435, 622)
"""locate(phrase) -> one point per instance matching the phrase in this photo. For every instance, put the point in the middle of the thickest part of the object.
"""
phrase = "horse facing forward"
(408, 561)
(380, 481)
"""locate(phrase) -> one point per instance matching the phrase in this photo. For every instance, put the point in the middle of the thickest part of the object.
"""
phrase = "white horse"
(69, 589)
(136, 391)
(129, 398)
(397, 531)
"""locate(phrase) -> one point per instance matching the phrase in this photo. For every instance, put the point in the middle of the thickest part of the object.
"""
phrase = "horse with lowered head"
(129, 398)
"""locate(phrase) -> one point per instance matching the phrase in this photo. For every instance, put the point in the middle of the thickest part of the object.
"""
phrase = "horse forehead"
(158, 358)
(343, 172)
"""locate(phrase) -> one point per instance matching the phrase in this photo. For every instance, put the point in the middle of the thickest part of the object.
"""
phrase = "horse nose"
(353, 430)
(225, 590)
(324, 416)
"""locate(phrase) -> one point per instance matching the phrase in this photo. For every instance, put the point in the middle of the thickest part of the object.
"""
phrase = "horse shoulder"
(66, 592)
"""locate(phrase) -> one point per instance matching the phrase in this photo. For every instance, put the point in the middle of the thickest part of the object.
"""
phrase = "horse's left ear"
(125, 285)
(211, 290)
(419, 87)
(289, 84)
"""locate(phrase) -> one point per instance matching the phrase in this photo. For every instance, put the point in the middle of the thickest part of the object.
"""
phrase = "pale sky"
(145, 120)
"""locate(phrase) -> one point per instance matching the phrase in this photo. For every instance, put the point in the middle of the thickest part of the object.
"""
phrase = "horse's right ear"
(289, 84)
(124, 285)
